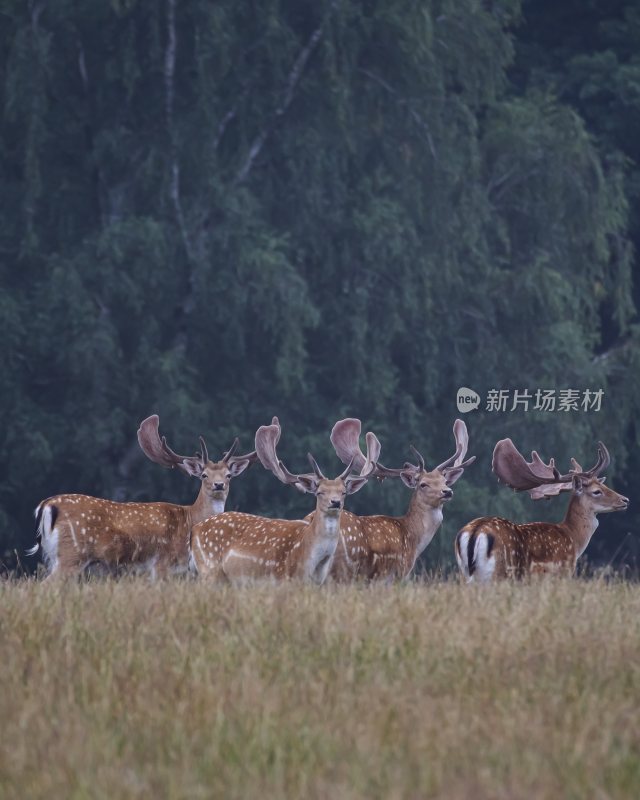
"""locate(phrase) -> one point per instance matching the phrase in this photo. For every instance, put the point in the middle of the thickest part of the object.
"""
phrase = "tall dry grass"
(181, 690)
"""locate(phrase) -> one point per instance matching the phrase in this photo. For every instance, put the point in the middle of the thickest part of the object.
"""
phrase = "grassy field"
(181, 690)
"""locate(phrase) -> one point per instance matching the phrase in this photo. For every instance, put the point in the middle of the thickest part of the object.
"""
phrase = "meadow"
(180, 689)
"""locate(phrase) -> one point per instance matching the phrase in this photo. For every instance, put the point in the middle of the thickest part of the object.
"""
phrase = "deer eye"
(228, 475)
(204, 475)
(596, 491)
(423, 485)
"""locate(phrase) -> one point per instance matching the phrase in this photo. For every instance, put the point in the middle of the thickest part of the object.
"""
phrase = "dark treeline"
(221, 211)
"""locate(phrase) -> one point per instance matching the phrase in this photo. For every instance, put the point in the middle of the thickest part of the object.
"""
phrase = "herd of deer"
(77, 530)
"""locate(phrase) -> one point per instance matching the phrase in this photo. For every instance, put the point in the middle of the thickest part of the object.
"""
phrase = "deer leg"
(203, 563)
(63, 570)
(321, 569)
(542, 568)
(64, 555)
(160, 569)
(99, 570)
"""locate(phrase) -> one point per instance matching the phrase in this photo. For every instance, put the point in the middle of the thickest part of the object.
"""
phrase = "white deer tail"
(473, 548)
(46, 514)
(39, 520)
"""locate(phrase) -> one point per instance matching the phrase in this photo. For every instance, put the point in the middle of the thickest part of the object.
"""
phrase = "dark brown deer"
(384, 547)
(243, 547)
(490, 548)
(77, 530)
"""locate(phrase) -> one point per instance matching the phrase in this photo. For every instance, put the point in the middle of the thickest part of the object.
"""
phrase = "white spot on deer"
(73, 534)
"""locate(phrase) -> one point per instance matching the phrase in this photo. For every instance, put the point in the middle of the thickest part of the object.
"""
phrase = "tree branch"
(231, 114)
(170, 62)
(403, 101)
(35, 10)
(616, 350)
(187, 304)
(293, 79)
(169, 92)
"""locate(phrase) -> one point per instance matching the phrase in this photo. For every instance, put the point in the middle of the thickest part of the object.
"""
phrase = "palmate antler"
(158, 451)
(345, 438)
(539, 479)
(267, 438)
(456, 461)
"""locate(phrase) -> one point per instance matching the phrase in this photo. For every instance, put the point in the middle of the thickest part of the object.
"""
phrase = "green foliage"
(313, 210)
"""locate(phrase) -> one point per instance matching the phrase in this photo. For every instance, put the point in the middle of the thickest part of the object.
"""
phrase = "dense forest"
(223, 211)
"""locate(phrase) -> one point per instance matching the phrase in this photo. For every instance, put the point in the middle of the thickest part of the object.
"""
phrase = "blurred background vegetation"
(221, 211)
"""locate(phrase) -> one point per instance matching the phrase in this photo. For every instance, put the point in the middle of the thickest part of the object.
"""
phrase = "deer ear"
(192, 467)
(409, 478)
(577, 484)
(306, 483)
(452, 475)
(238, 467)
(355, 484)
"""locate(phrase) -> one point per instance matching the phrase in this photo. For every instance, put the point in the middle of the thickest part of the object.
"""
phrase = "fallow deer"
(385, 547)
(241, 547)
(76, 530)
(489, 548)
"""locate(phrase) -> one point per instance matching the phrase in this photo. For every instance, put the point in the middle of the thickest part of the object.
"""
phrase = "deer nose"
(335, 504)
(447, 492)
(218, 486)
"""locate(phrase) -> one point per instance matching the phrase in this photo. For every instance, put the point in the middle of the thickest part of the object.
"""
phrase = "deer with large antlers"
(384, 547)
(241, 547)
(488, 548)
(77, 530)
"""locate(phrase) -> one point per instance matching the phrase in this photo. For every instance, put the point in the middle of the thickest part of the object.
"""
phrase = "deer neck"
(205, 506)
(421, 523)
(324, 526)
(580, 522)
(319, 541)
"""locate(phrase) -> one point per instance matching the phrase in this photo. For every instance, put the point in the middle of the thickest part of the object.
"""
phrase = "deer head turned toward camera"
(244, 547)
(385, 547)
